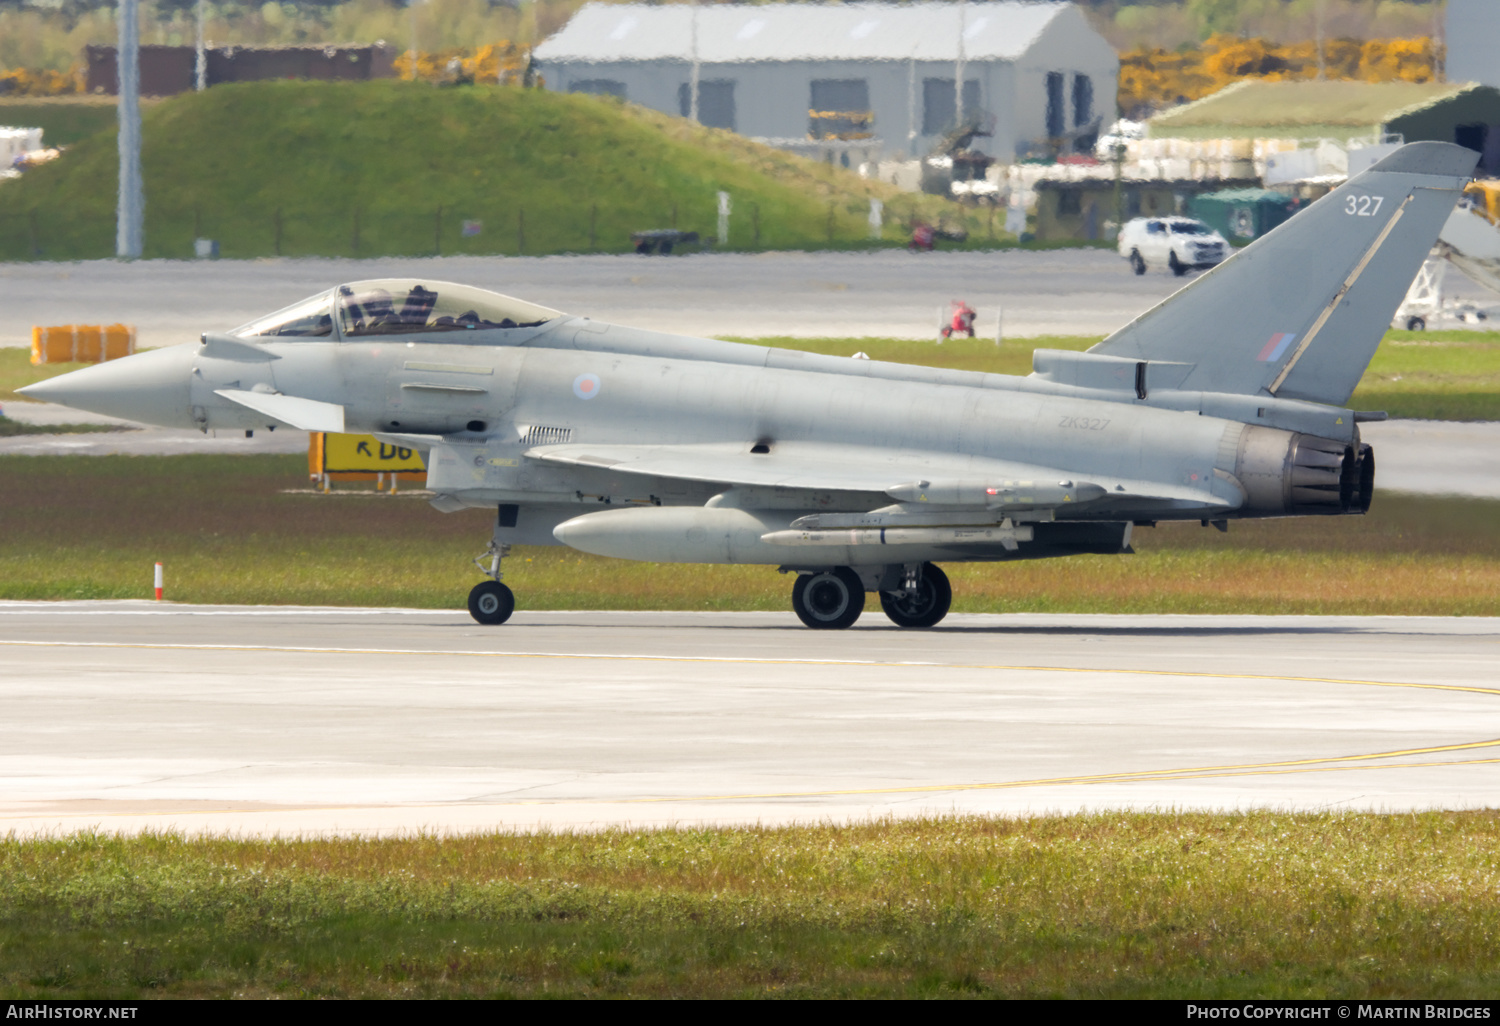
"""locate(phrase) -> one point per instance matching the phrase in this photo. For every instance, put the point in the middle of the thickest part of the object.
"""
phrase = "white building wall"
(1067, 45)
(772, 98)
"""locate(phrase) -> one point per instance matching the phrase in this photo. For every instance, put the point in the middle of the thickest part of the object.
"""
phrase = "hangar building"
(1383, 113)
(1035, 75)
(1472, 34)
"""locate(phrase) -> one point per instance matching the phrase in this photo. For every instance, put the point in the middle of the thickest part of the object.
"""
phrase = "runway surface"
(130, 716)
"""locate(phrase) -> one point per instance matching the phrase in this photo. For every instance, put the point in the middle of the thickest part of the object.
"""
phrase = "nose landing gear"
(491, 602)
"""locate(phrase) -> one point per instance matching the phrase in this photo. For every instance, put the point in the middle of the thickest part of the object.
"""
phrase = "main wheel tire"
(1416, 324)
(829, 600)
(924, 607)
(1137, 262)
(1178, 267)
(491, 603)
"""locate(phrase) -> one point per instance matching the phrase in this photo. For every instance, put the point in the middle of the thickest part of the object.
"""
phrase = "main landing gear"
(923, 600)
(831, 600)
(491, 602)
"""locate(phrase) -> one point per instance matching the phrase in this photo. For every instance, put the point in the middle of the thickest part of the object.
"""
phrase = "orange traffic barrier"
(81, 343)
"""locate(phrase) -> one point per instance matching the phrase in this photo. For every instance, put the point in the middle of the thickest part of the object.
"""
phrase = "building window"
(847, 94)
(599, 87)
(1083, 100)
(715, 102)
(939, 112)
(1056, 126)
(1069, 203)
(839, 108)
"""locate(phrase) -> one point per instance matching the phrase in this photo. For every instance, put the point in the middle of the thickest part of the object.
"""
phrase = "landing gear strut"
(923, 600)
(828, 600)
(491, 602)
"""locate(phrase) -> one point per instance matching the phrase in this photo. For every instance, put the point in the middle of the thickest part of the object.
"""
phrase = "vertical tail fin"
(1298, 313)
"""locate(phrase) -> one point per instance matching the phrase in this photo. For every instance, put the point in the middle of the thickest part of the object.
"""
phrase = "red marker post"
(158, 582)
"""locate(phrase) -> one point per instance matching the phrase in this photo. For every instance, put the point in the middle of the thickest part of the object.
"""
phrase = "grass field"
(64, 120)
(11, 428)
(237, 529)
(1435, 375)
(397, 168)
(1114, 905)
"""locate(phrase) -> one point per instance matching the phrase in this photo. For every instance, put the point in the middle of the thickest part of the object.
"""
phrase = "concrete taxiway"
(132, 716)
(887, 294)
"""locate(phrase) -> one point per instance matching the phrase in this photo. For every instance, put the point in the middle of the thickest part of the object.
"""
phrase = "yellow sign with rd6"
(364, 454)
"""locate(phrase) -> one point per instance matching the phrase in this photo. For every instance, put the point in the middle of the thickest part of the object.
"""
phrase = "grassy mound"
(64, 120)
(396, 168)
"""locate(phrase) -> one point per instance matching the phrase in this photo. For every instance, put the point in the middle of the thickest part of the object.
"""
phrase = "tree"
(1215, 16)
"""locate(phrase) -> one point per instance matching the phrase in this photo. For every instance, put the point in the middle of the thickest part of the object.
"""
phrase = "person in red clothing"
(963, 320)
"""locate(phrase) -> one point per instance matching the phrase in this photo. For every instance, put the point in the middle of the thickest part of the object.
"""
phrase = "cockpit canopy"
(394, 306)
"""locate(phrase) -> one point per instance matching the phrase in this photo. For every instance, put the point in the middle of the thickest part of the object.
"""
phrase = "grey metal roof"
(735, 33)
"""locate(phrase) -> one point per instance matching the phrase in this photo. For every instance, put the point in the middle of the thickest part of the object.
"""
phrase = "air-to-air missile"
(1227, 400)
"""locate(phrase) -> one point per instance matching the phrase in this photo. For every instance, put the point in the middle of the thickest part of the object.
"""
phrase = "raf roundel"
(586, 386)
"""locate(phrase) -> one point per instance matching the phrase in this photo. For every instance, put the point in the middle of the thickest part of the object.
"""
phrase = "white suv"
(1179, 243)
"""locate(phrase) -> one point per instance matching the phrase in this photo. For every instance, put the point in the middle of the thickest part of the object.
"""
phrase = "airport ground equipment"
(81, 343)
(1228, 400)
(1470, 241)
(661, 240)
(962, 321)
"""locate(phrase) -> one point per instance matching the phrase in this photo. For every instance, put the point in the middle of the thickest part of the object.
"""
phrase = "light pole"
(200, 66)
(130, 209)
(413, 5)
(958, 71)
(696, 70)
(1318, 38)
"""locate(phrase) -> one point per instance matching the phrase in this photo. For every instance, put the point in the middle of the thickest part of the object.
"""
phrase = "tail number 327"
(1362, 206)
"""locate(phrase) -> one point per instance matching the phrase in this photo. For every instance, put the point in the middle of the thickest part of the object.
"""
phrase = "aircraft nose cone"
(150, 387)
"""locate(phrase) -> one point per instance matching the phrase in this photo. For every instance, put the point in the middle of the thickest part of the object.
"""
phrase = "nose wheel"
(922, 601)
(829, 600)
(491, 603)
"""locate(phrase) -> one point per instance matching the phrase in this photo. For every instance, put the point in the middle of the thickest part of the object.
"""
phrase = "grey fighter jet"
(1227, 400)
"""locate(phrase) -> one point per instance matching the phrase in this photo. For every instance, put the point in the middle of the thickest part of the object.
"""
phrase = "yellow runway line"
(1247, 769)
